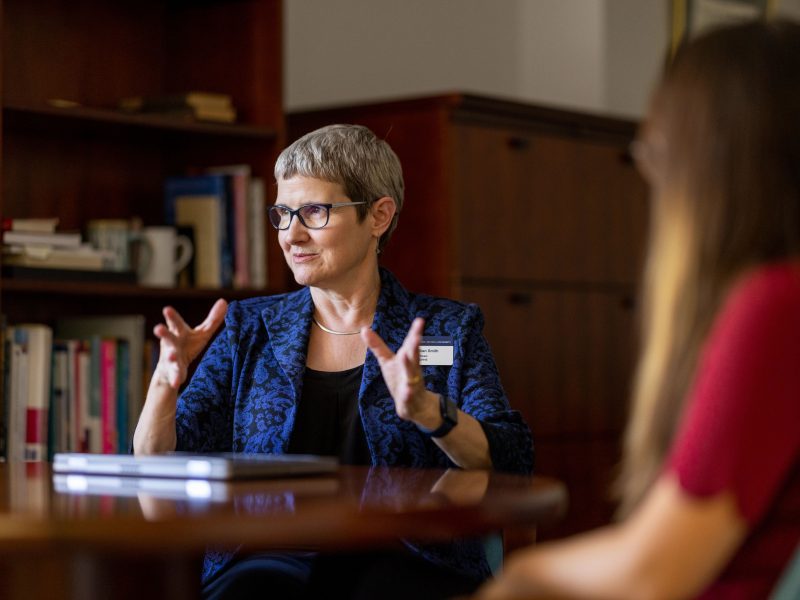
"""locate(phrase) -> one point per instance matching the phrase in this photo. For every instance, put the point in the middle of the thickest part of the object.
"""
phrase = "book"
(60, 416)
(30, 225)
(203, 106)
(13, 414)
(83, 398)
(194, 99)
(3, 384)
(125, 422)
(108, 395)
(34, 340)
(227, 115)
(257, 223)
(94, 420)
(203, 202)
(74, 435)
(237, 178)
(202, 213)
(41, 238)
(79, 258)
(128, 331)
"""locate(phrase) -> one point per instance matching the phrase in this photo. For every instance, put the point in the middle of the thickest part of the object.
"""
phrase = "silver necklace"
(326, 330)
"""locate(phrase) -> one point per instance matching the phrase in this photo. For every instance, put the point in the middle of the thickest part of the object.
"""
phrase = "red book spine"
(36, 433)
(108, 396)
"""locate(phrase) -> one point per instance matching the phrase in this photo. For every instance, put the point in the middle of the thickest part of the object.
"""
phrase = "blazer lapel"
(288, 325)
(392, 321)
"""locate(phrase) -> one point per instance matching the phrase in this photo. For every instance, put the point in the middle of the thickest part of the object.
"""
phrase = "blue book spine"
(123, 375)
(206, 185)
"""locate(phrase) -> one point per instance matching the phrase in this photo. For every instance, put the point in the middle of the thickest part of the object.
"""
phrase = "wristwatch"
(449, 411)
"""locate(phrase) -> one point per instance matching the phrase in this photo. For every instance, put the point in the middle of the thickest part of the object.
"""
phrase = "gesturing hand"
(181, 344)
(402, 374)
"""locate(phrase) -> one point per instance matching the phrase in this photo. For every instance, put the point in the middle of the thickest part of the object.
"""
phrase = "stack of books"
(200, 106)
(34, 247)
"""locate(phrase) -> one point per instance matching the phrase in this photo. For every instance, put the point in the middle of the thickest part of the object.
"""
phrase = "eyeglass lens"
(313, 216)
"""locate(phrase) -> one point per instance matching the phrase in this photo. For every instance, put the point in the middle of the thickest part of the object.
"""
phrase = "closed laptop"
(223, 466)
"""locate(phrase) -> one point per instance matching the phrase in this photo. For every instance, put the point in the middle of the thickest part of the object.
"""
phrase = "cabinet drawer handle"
(519, 298)
(627, 302)
(518, 143)
(626, 157)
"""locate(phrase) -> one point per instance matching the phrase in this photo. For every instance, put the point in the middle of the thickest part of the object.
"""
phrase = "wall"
(636, 46)
(562, 53)
(594, 55)
(345, 50)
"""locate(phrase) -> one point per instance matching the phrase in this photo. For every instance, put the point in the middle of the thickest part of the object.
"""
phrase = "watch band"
(449, 411)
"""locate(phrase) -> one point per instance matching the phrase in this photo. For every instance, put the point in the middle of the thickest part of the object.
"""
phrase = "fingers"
(215, 317)
(178, 326)
(413, 338)
(376, 344)
(412, 371)
(174, 320)
(410, 347)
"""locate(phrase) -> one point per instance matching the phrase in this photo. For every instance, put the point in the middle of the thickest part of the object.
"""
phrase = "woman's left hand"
(403, 376)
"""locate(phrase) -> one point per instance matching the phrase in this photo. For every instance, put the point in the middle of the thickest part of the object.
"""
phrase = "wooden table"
(58, 539)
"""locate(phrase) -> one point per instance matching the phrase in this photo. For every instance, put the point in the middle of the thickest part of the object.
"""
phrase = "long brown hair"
(722, 152)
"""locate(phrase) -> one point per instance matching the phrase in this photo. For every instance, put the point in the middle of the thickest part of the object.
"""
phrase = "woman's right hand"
(181, 344)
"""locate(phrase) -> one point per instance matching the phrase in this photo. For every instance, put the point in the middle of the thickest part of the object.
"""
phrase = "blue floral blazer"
(243, 396)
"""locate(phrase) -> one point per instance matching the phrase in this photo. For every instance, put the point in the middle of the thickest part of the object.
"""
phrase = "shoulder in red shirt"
(741, 429)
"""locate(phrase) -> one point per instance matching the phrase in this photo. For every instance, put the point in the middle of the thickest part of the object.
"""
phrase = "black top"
(327, 420)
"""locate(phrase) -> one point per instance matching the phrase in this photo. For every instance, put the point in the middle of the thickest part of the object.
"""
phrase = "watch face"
(450, 411)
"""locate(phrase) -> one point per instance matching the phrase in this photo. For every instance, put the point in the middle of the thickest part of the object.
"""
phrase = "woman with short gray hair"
(336, 369)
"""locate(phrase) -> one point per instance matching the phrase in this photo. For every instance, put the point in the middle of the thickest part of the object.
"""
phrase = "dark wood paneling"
(89, 51)
(587, 466)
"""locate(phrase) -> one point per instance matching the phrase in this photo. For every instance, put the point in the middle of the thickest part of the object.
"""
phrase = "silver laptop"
(157, 487)
(223, 465)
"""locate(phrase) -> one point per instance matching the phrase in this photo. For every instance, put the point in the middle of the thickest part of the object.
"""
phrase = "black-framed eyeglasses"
(312, 216)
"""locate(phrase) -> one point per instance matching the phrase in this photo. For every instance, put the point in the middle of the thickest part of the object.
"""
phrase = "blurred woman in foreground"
(710, 486)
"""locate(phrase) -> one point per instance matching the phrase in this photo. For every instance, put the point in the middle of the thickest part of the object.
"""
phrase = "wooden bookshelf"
(107, 122)
(68, 152)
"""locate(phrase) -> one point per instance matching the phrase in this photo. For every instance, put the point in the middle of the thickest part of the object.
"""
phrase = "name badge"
(436, 350)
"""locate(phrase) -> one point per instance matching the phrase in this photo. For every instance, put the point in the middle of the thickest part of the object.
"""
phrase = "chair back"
(788, 586)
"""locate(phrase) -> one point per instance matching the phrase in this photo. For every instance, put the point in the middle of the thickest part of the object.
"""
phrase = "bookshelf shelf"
(110, 122)
(20, 287)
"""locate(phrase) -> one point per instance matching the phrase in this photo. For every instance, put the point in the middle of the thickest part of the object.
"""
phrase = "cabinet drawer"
(547, 207)
(565, 357)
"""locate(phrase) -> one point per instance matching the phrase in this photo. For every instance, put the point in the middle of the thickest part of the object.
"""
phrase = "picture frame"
(691, 17)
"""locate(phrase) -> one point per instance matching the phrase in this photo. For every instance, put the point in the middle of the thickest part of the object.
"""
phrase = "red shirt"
(741, 428)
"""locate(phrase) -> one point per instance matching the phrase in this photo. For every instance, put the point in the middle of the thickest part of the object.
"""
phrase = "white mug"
(162, 255)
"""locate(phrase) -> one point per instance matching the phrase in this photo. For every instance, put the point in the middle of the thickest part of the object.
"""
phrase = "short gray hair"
(351, 155)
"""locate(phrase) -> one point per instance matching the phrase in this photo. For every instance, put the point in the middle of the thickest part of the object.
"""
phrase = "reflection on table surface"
(356, 506)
